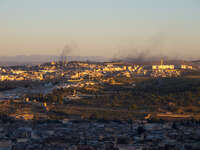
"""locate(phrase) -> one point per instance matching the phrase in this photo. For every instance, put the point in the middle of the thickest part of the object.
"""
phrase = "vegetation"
(176, 95)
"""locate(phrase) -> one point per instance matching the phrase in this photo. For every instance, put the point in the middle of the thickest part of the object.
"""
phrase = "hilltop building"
(162, 66)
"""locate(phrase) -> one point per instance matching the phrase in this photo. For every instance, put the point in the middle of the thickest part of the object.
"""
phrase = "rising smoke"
(66, 51)
(153, 49)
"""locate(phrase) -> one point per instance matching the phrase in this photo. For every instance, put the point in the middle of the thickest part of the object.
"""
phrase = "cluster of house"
(19, 75)
(90, 70)
(163, 70)
(129, 70)
(25, 73)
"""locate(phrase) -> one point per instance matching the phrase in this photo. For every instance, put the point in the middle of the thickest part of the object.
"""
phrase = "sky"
(110, 28)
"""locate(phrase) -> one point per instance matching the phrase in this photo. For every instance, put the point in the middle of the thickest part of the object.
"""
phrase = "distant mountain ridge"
(37, 59)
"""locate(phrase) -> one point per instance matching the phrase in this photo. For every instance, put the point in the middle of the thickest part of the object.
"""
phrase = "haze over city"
(99, 75)
(108, 28)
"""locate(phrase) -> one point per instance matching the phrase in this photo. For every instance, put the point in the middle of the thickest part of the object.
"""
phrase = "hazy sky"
(100, 27)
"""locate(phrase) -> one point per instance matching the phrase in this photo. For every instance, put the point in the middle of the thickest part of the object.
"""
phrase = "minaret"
(161, 62)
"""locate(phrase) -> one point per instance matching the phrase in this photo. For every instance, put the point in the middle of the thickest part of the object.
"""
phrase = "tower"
(63, 57)
(161, 62)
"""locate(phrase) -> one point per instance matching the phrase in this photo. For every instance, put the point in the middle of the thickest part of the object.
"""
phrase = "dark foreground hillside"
(98, 134)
